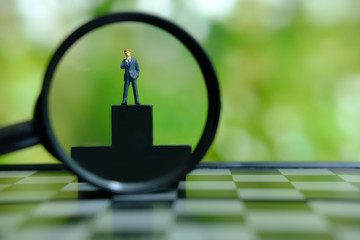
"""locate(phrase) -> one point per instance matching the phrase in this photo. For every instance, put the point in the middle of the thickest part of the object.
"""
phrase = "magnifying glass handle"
(17, 136)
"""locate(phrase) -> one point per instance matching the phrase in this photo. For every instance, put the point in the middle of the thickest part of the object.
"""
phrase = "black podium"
(132, 156)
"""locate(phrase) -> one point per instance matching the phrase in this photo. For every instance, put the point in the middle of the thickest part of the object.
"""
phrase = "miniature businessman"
(132, 71)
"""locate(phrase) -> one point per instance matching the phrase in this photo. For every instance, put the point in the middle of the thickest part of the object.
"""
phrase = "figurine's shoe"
(123, 103)
(137, 103)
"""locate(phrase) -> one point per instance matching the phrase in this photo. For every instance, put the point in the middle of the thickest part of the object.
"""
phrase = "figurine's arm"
(137, 67)
(123, 64)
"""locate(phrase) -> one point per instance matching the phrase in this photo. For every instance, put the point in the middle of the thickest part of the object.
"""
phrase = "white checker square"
(82, 186)
(289, 221)
(10, 221)
(306, 171)
(19, 196)
(350, 178)
(203, 231)
(260, 178)
(221, 207)
(134, 220)
(146, 197)
(270, 194)
(210, 172)
(347, 232)
(337, 209)
(208, 185)
(46, 180)
(79, 231)
(325, 186)
(16, 174)
(71, 208)
(37, 232)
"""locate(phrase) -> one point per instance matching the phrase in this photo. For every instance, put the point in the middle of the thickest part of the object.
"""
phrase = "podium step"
(132, 156)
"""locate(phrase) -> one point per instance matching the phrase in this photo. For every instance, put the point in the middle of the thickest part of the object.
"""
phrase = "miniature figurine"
(132, 70)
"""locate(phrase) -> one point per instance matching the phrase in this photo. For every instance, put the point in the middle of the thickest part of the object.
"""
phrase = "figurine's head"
(127, 53)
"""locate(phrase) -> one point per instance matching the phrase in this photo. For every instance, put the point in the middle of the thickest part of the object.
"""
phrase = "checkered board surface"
(208, 204)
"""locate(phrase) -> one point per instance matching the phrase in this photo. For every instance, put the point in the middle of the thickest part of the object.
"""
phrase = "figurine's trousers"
(126, 88)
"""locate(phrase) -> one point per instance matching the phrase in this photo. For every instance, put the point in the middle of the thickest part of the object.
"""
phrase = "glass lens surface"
(86, 94)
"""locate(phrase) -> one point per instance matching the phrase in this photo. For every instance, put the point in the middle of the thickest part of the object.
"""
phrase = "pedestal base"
(132, 157)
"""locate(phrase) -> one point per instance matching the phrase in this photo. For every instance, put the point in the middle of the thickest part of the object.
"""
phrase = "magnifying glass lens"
(87, 90)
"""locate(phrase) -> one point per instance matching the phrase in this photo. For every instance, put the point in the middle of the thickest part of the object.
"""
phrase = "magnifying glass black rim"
(212, 90)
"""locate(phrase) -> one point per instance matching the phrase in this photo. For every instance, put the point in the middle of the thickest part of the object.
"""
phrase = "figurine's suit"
(132, 71)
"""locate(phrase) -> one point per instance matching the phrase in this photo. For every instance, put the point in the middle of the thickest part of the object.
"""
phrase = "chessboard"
(222, 203)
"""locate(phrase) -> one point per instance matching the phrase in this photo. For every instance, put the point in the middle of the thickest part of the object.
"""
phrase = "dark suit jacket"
(132, 69)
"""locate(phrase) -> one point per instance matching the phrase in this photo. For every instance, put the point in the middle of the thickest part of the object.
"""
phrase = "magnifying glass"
(41, 131)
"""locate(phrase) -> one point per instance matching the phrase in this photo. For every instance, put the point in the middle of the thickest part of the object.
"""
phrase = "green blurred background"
(289, 73)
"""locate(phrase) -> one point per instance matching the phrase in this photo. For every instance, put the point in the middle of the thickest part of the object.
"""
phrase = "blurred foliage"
(289, 73)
